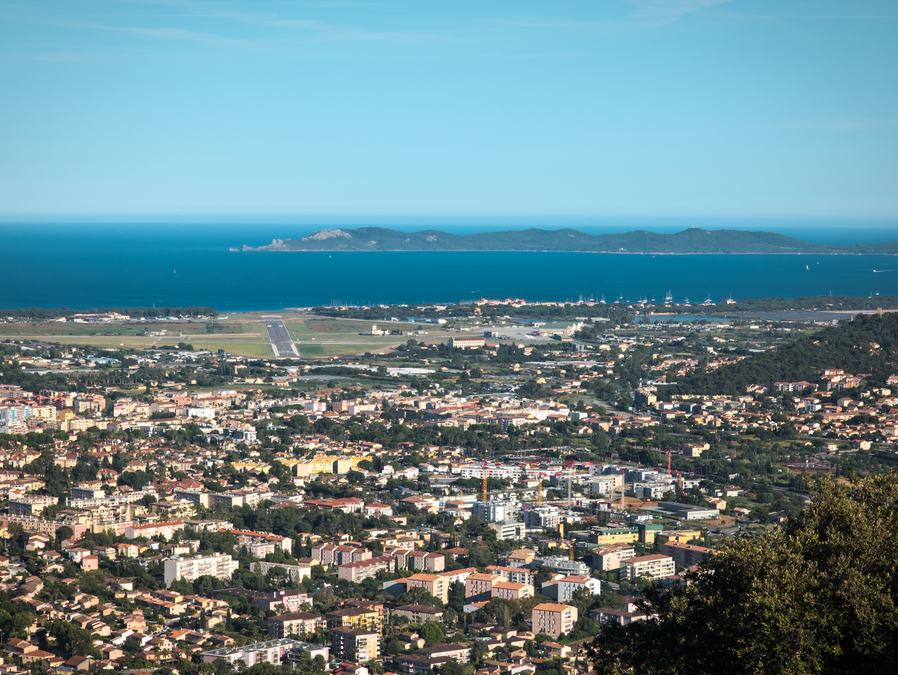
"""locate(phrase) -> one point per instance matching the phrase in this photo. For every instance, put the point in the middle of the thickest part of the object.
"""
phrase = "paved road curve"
(279, 337)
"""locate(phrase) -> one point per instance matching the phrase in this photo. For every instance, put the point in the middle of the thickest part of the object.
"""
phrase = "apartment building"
(563, 589)
(358, 645)
(553, 619)
(418, 614)
(648, 532)
(610, 558)
(339, 554)
(295, 572)
(686, 555)
(295, 623)
(435, 584)
(283, 600)
(521, 575)
(653, 566)
(164, 529)
(479, 585)
(360, 570)
(274, 652)
(506, 530)
(607, 536)
(434, 658)
(220, 566)
(30, 505)
(677, 536)
(425, 561)
(511, 590)
(260, 544)
(369, 618)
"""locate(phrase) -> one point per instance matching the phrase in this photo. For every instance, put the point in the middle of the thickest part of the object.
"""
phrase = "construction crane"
(562, 543)
(485, 486)
(539, 492)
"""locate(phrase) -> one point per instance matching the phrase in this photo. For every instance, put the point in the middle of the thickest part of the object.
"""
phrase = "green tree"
(818, 595)
(453, 668)
(72, 640)
(457, 597)
(432, 632)
(63, 533)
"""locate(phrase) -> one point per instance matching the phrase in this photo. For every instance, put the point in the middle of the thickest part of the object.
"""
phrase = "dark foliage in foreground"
(817, 595)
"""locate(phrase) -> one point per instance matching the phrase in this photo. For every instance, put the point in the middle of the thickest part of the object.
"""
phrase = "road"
(279, 337)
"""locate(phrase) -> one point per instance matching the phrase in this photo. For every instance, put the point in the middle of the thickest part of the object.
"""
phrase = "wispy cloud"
(322, 29)
(168, 33)
(641, 14)
(325, 30)
(855, 123)
(670, 11)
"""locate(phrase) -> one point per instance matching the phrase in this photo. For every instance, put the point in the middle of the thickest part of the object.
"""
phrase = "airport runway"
(279, 337)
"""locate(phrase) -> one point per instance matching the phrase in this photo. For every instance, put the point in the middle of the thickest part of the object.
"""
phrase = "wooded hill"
(692, 240)
(868, 345)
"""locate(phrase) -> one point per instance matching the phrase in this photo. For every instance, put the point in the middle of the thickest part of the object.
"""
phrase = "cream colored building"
(654, 566)
(220, 566)
(553, 619)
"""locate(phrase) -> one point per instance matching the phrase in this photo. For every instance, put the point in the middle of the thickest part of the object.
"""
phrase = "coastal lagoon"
(79, 266)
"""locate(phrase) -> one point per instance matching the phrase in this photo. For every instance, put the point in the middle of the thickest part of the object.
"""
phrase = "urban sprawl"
(483, 498)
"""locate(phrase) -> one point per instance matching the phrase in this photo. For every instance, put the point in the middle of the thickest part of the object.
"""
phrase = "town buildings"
(220, 566)
(553, 619)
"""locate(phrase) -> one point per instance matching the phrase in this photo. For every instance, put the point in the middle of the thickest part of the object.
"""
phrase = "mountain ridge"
(690, 240)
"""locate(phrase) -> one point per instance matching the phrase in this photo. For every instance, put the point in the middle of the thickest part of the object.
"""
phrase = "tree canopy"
(867, 344)
(817, 595)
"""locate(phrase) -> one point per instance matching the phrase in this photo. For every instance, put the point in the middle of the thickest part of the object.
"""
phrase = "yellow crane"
(562, 543)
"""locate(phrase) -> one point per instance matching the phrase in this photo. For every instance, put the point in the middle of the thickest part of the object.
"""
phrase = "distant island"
(692, 240)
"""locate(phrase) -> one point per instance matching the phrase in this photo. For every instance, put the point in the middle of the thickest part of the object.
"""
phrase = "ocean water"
(108, 265)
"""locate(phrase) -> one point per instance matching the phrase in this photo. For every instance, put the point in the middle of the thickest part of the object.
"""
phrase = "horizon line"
(473, 220)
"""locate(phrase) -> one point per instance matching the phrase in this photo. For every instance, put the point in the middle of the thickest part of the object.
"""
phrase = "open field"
(242, 334)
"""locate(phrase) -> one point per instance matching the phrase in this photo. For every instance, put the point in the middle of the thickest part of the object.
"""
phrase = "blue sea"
(91, 265)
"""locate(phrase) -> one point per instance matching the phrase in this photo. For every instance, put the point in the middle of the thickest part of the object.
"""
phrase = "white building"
(274, 652)
(562, 589)
(509, 529)
(219, 565)
(495, 511)
(654, 566)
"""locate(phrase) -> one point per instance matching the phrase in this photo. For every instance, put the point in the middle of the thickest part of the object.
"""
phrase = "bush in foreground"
(817, 595)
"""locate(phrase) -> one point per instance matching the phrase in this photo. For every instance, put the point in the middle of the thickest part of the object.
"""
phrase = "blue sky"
(441, 110)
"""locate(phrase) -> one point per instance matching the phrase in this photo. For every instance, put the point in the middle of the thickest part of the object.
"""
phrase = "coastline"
(267, 249)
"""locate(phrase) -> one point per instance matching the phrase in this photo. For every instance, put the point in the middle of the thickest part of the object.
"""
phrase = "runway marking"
(281, 343)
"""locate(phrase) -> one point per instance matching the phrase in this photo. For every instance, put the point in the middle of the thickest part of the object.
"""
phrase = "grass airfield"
(240, 334)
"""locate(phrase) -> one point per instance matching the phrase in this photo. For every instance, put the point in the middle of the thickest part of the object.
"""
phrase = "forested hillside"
(692, 240)
(868, 344)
